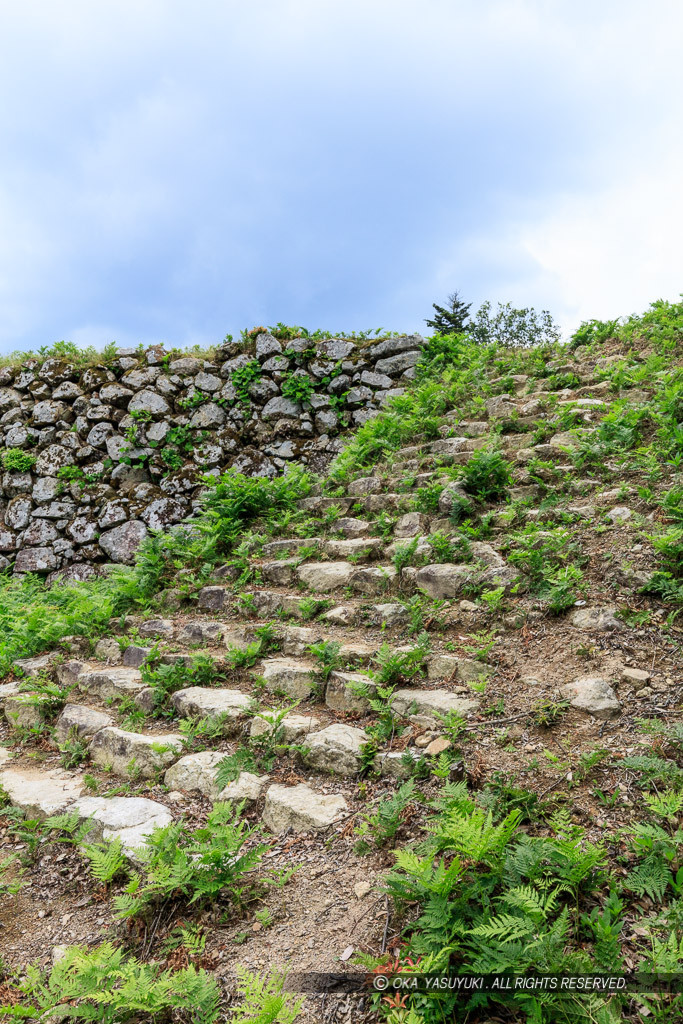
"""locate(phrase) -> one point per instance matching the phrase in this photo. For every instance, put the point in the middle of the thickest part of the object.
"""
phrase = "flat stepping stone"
(301, 809)
(593, 695)
(336, 749)
(116, 681)
(133, 753)
(340, 692)
(424, 706)
(325, 576)
(289, 675)
(442, 582)
(351, 527)
(201, 631)
(294, 727)
(80, 722)
(213, 599)
(276, 548)
(32, 667)
(131, 819)
(364, 549)
(281, 572)
(466, 670)
(41, 793)
(211, 702)
(374, 579)
(198, 772)
(8, 690)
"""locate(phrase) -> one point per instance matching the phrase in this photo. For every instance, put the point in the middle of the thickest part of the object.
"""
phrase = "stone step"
(301, 809)
(129, 819)
(290, 546)
(295, 728)
(336, 749)
(324, 577)
(41, 793)
(132, 753)
(352, 528)
(425, 706)
(289, 676)
(197, 773)
(208, 702)
(77, 721)
(365, 549)
(340, 692)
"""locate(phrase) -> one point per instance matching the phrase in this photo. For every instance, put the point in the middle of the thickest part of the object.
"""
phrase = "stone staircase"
(363, 602)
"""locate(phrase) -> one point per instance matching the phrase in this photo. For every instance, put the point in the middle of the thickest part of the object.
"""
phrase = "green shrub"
(17, 460)
(235, 500)
(486, 475)
(105, 986)
(298, 387)
(242, 379)
(193, 867)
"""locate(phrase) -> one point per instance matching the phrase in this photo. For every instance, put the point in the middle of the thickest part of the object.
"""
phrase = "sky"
(171, 172)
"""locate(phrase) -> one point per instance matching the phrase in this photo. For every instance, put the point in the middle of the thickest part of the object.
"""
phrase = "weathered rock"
(597, 620)
(36, 560)
(209, 702)
(351, 527)
(389, 614)
(32, 667)
(362, 549)
(40, 793)
(131, 820)
(341, 691)
(376, 579)
(292, 729)
(213, 599)
(280, 408)
(105, 682)
(208, 416)
(325, 576)
(443, 581)
(131, 754)
(412, 524)
(336, 749)
(425, 706)
(122, 543)
(638, 676)
(288, 675)
(109, 650)
(398, 363)
(301, 809)
(593, 695)
(80, 722)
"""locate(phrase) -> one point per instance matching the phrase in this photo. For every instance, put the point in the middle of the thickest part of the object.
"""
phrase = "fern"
(103, 985)
(651, 878)
(664, 805)
(106, 860)
(264, 999)
(70, 825)
(193, 866)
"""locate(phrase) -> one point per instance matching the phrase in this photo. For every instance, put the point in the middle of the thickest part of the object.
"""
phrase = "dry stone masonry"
(117, 450)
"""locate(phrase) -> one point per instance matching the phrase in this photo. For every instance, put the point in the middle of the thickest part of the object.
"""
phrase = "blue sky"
(173, 171)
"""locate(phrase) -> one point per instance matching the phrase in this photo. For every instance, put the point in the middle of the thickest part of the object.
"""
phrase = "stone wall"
(115, 450)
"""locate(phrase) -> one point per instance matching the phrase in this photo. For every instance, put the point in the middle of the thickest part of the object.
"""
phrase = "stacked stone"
(112, 422)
